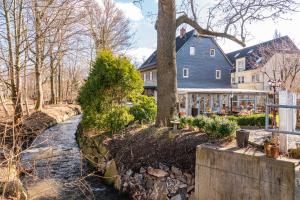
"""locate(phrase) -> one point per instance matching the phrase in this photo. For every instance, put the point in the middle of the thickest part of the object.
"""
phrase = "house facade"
(255, 66)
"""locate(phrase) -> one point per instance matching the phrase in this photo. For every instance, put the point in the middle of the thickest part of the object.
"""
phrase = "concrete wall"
(223, 174)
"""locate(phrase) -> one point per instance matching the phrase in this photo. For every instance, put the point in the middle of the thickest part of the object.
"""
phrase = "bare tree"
(12, 40)
(107, 25)
(227, 19)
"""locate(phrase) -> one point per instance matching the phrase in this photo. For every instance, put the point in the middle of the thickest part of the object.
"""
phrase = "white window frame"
(187, 72)
(145, 76)
(151, 76)
(240, 64)
(212, 52)
(218, 74)
(240, 78)
(192, 51)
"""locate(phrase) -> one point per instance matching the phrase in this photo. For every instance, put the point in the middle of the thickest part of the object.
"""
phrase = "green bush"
(250, 120)
(117, 118)
(226, 127)
(113, 80)
(214, 127)
(144, 109)
(186, 121)
(211, 127)
(220, 127)
(200, 122)
(183, 122)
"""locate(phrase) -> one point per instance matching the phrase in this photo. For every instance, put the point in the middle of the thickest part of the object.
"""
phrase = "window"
(257, 77)
(241, 79)
(233, 80)
(253, 78)
(151, 76)
(240, 64)
(212, 52)
(185, 72)
(218, 74)
(145, 76)
(154, 76)
(192, 51)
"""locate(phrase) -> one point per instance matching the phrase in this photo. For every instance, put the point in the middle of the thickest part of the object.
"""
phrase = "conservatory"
(223, 101)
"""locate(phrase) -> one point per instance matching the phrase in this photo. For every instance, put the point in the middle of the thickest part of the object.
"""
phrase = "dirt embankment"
(32, 125)
(146, 162)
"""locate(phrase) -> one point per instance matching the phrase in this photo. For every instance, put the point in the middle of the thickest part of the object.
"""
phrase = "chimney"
(182, 32)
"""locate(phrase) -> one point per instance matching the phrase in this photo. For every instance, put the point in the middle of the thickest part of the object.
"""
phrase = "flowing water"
(56, 169)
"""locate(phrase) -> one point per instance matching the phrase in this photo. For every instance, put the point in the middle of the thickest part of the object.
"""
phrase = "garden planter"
(275, 151)
(242, 138)
(267, 148)
(194, 112)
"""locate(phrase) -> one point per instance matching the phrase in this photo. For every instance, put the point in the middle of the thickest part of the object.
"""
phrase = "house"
(200, 61)
(255, 66)
(203, 75)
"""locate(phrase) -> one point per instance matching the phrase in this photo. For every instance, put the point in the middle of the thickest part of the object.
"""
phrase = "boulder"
(157, 172)
(176, 197)
(177, 172)
(111, 172)
(159, 191)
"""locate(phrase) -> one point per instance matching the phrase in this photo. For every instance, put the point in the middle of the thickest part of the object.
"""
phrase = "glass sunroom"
(195, 101)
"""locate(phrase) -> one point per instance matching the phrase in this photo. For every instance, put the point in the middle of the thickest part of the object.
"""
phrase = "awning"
(220, 91)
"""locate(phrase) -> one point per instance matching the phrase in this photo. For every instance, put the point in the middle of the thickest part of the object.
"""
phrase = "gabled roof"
(180, 41)
(254, 54)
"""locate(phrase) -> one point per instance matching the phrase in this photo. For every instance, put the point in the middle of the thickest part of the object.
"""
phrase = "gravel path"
(258, 136)
(59, 172)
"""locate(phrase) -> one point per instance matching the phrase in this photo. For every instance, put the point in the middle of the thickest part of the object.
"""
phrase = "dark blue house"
(201, 63)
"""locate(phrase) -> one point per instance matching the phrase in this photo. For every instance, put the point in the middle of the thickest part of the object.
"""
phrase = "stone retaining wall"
(232, 174)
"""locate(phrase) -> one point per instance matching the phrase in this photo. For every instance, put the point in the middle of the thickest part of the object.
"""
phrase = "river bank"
(146, 162)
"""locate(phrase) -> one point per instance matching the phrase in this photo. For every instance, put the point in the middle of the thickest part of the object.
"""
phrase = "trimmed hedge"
(250, 120)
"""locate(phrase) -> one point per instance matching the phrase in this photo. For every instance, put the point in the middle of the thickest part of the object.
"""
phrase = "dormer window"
(192, 51)
(212, 52)
(185, 72)
(240, 64)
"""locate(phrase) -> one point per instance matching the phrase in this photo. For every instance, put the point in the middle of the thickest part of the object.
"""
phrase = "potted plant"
(274, 147)
(267, 147)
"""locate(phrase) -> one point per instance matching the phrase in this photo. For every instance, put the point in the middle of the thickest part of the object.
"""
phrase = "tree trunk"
(4, 105)
(26, 89)
(166, 63)
(52, 92)
(38, 60)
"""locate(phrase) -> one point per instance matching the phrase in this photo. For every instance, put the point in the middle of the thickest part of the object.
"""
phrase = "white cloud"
(139, 55)
(131, 11)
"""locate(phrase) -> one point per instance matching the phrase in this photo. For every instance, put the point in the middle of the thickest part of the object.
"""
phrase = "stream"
(56, 169)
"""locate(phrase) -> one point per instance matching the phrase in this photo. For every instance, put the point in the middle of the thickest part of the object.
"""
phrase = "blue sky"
(145, 38)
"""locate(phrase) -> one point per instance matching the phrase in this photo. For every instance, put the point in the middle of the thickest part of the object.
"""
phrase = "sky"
(143, 17)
